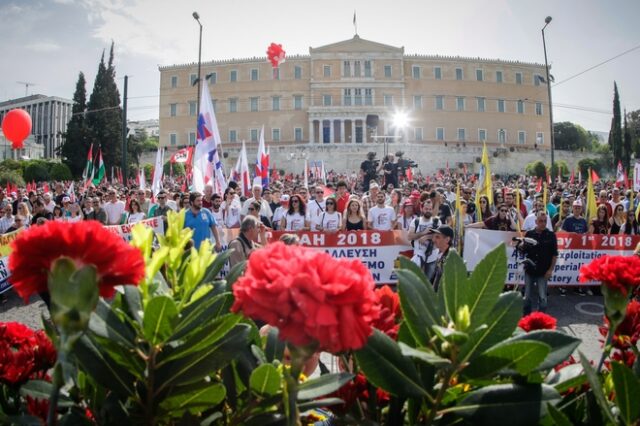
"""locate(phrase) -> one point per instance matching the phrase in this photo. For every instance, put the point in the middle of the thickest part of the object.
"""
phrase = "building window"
(440, 133)
(215, 104)
(522, 137)
(347, 97)
(173, 109)
(500, 105)
(253, 104)
(254, 74)
(388, 100)
(481, 102)
(275, 103)
(387, 71)
(459, 75)
(356, 69)
(498, 76)
(174, 81)
(357, 99)
(538, 108)
(213, 78)
(233, 104)
(297, 102)
(418, 133)
(461, 135)
(368, 96)
(437, 73)
(192, 138)
(346, 69)
(479, 75)
(297, 72)
(415, 70)
(233, 135)
(520, 107)
(326, 100)
(275, 135)
(297, 132)
(173, 139)
(540, 138)
(460, 103)
(417, 102)
(192, 79)
(482, 135)
(502, 136)
(254, 135)
(233, 76)
(537, 78)
(518, 78)
(326, 70)
(439, 102)
(193, 108)
(367, 68)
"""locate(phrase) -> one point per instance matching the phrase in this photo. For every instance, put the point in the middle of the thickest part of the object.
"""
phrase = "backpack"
(435, 224)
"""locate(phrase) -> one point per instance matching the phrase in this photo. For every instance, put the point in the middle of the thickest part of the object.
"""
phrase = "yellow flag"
(484, 177)
(591, 207)
(459, 221)
(544, 196)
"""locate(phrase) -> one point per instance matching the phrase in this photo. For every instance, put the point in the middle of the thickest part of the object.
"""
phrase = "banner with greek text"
(4, 274)
(125, 230)
(574, 250)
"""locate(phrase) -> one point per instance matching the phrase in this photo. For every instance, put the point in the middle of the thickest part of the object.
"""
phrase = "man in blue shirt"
(202, 222)
(576, 223)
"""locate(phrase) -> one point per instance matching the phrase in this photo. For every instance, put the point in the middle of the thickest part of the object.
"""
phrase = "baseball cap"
(374, 185)
(284, 197)
(444, 230)
(577, 203)
(66, 199)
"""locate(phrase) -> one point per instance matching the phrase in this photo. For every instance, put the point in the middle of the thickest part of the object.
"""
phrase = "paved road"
(579, 316)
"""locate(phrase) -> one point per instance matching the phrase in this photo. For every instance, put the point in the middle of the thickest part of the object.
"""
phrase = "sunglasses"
(161, 198)
(331, 204)
(319, 192)
(504, 211)
(295, 201)
(251, 209)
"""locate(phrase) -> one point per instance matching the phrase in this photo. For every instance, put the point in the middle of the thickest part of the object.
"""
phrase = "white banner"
(125, 230)
(574, 250)
(636, 176)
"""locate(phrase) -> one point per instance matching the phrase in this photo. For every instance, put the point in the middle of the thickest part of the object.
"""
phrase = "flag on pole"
(484, 177)
(459, 221)
(594, 177)
(591, 206)
(100, 172)
(579, 176)
(207, 165)
(241, 172)
(72, 193)
(156, 185)
(262, 161)
(87, 174)
(355, 24)
(545, 194)
(572, 178)
(306, 174)
(620, 179)
(142, 180)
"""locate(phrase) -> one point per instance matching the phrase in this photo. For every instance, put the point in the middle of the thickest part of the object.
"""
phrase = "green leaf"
(195, 401)
(596, 388)
(383, 364)
(105, 323)
(205, 309)
(133, 302)
(627, 392)
(558, 417)
(521, 356)
(319, 403)
(418, 302)
(160, 317)
(424, 354)
(500, 324)
(408, 265)
(506, 405)
(562, 345)
(454, 284)
(235, 273)
(485, 284)
(265, 380)
(323, 385)
(274, 347)
(39, 389)
(571, 376)
(214, 269)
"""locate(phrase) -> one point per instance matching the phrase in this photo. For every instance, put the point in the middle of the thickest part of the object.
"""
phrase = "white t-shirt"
(114, 212)
(406, 222)
(135, 217)
(232, 216)
(530, 222)
(293, 222)
(419, 249)
(381, 218)
(74, 219)
(5, 223)
(277, 215)
(265, 209)
(330, 221)
(315, 209)
(50, 206)
(219, 215)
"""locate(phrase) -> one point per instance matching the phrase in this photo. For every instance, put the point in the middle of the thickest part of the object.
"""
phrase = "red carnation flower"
(86, 243)
(628, 332)
(44, 352)
(309, 296)
(619, 273)
(24, 354)
(537, 321)
(390, 313)
(38, 408)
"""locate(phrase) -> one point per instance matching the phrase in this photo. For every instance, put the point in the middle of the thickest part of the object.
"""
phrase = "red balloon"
(16, 127)
(275, 54)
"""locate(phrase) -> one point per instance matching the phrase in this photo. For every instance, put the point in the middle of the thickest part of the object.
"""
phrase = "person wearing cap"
(442, 240)
(406, 216)
(543, 256)
(575, 222)
(66, 206)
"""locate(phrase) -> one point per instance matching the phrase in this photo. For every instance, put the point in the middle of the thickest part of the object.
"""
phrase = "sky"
(48, 42)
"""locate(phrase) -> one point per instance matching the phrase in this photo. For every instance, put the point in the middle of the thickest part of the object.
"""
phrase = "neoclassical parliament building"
(352, 91)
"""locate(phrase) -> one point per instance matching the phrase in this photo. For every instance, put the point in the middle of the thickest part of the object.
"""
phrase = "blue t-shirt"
(201, 224)
(575, 224)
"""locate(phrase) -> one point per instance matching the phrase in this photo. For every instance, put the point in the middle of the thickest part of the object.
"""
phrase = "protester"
(424, 252)
(295, 218)
(381, 217)
(18, 222)
(442, 240)
(251, 233)
(201, 221)
(114, 208)
(630, 227)
(575, 222)
(341, 196)
(265, 210)
(316, 208)
(330, 220)
(618, 219)
(135, 214)
(600, 224)
(406, 216)
(498, 222)
(231, 208)
(254, 210)
(6, 221)
(354, 218)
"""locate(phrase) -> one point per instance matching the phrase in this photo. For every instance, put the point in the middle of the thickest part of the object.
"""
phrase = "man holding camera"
(390, 168)
(539, 263)
(369, 169)
(424, 252)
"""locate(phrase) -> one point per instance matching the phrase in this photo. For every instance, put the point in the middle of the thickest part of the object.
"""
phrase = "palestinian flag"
(100, 171)
(88, 169)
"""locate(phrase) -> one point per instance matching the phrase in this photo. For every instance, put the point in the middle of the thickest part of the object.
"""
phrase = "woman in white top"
(231, 209)
(295, 220)
(135, 215)
(330, 220)
(75, 213)
(23, 210)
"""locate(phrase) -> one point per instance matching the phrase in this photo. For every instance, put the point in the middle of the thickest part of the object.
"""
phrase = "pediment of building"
(356, 44)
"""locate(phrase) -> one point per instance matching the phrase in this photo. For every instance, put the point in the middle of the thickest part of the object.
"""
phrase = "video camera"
(405, 163)
(522, 246)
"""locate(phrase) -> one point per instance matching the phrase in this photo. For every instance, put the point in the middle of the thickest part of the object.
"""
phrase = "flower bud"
(463, 318)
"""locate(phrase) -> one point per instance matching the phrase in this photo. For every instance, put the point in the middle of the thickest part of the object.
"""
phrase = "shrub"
(12, 177)
(36, 171)
(60, 171)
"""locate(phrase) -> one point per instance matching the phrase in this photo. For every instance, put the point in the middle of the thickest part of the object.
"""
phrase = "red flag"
(464, 166)
(409, 174)
(572, 178)
(547, 175)
(539, 185)
(594, 177)
(620, 175)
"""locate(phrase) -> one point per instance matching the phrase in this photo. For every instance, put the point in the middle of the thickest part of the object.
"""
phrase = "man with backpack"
(424, 252)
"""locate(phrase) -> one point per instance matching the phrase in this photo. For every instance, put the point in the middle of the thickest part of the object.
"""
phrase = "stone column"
(342, 131)
(312, 133)
(332, 138)
(353, 130)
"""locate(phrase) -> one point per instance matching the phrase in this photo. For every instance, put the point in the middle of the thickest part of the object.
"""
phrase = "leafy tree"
(589, 163)
(536, 168)
(12, 177)
(615, 134)
(10, 165)
(634, 130)
(178, 169)
(36, 171)
(76, 144)
(60, 171)
(571, 137)
(148, 171)
(562, 167)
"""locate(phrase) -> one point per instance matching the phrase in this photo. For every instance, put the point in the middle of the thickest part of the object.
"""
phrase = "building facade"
(354, 92)
(49, 116)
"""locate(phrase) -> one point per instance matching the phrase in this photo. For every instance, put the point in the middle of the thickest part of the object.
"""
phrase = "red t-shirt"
(341, 203)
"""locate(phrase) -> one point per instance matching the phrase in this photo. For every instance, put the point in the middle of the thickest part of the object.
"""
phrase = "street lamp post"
(197, 18)
(546, 65)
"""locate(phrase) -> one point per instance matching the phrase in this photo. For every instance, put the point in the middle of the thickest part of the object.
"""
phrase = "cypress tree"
(615, 134)
(76, 144)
